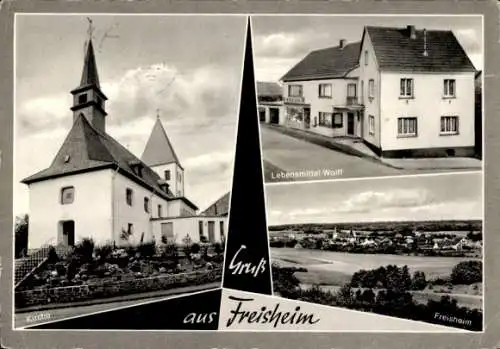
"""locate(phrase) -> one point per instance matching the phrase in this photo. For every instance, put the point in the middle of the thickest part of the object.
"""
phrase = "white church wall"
(190, 226)
(134, 214)
(90, 209)
(179, 208)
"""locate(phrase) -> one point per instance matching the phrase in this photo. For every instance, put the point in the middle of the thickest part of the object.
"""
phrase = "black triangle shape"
(247, 250)
(168, 314)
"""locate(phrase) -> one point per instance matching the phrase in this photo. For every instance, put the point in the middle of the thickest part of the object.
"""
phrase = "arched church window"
(129, 196)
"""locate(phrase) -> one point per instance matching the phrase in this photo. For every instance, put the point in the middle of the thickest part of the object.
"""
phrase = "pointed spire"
(159, 150)
(89, 74)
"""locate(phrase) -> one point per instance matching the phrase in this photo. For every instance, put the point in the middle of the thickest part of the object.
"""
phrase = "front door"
(274, 115)
(262, 115)
(211, 231)
(68, 233)
(307, 117)
(350, 124)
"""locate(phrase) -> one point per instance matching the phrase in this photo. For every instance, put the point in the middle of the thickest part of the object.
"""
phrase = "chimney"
(411, 32)
(425, 43)
(342, 43)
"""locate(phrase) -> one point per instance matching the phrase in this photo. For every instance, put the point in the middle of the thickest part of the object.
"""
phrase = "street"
(291, 154)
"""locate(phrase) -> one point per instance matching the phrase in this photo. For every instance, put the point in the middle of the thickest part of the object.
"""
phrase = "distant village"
(441, 243)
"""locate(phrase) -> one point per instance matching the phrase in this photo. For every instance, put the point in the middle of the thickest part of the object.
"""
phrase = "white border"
(250, 15)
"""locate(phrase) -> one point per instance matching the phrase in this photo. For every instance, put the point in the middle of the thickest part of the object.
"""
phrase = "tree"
(419, 281)
(466, 273)
(21, 236)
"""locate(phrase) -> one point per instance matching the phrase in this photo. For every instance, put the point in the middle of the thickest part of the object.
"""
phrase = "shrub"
(195, 248)
(103, 252)
(218, 248)
(170, 252)
(466, 273)
(147, 249)
(85, 249)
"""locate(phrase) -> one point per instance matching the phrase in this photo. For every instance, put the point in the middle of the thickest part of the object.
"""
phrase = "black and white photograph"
(406, 247)
(124, 139)
(352, 96)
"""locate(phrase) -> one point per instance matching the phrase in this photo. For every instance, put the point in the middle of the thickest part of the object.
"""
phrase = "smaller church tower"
(160, 156)
(88, 99)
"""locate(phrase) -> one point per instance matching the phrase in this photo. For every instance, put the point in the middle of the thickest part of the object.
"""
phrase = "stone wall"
(112, 288)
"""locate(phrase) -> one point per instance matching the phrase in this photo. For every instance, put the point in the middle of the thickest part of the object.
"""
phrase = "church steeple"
(89, 74)
(88, 99)
(159, 154)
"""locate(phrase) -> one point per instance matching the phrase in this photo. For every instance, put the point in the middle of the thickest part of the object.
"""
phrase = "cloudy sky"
(450, 196)
(280, 42)
(188, 67)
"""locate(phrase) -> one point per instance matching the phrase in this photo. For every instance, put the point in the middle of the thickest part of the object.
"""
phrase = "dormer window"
(82, 98)
(167, 175)
(137, 167)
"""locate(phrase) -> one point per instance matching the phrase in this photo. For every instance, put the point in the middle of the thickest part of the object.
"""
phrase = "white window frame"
(63, 191)
(354, 88)
(298, 87)
(449, 125)
(404, 90)
(447, 83)
(336, 124)
(323, 89)
(371, 125)
(366, 57)
(404, 126)
(371, 88)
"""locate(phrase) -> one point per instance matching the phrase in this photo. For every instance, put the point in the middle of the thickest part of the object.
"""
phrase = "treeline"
(400, 226)
(386, 291)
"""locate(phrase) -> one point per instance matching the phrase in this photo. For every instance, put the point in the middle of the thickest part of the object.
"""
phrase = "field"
(335, 268)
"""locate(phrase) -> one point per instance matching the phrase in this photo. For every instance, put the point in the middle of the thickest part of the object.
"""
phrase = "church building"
(96, 188)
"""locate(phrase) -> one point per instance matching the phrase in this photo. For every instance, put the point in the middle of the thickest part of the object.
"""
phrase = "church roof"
(159, 150)
(87, 149)
(219, 207)
(89, 74)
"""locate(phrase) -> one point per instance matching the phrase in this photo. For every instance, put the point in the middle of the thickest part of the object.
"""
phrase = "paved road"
(292, 154)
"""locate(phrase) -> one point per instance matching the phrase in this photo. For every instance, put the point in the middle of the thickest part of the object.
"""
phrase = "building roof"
(395, 50)
(87, 149)
(159, 150)
(268, 89)
(89, 73)
(332, 62)
(219, 207)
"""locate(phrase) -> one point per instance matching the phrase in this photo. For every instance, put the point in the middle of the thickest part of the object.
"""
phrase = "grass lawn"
(324, 262)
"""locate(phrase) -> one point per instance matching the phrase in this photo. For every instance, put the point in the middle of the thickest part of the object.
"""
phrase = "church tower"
(160, 156)
(88, 99)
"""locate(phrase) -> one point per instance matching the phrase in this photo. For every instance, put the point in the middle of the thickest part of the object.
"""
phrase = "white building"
(417, 87)
(96, 188)
(321, 92)
(403, 92)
